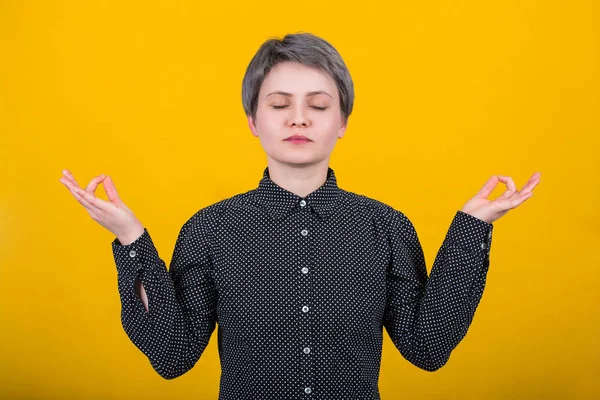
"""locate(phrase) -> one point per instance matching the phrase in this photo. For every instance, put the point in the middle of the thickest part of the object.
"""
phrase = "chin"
(298, 162)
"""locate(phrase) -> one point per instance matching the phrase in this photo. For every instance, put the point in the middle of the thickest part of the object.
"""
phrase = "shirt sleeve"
(181, 301)
(426, 317)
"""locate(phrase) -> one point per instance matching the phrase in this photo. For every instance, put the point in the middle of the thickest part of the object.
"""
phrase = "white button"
(305, 308)
(306, 350)
(132, 253)
(307, 390)
(304, 232)
(302, 203)
(483, 245)
(305, 270)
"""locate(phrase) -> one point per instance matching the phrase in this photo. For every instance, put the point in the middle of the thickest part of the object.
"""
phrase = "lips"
(298, 141)
(298, 138)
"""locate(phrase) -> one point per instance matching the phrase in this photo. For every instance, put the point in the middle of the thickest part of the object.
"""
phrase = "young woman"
(300, 275)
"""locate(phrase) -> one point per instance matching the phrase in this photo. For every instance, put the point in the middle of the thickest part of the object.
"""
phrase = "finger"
(94, 202)
(110, 189)
(70, 177)
(520, 199)
(514, 201)
(88, 207)
(531, 183)
(91, 187)
(68, 183)
(521, 194)
(488, 187)
(510, 186)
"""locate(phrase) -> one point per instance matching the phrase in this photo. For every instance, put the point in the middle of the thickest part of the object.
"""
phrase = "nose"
(298, 118)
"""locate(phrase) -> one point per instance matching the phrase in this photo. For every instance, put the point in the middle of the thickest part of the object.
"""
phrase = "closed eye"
(315, 107)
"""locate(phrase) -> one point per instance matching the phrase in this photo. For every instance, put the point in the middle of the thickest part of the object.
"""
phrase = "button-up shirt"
(300, 289)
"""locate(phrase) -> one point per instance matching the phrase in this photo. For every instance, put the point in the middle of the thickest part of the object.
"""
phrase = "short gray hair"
(306, 49)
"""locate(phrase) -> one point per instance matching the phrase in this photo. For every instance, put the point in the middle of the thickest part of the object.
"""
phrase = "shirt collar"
(279, 201)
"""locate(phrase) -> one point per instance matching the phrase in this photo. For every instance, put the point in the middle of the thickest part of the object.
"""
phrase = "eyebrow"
(290, 94)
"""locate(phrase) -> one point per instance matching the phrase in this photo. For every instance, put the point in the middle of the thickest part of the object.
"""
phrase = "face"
(298, 100)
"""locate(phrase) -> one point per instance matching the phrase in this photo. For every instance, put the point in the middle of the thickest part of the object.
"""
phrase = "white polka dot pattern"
(301, 289)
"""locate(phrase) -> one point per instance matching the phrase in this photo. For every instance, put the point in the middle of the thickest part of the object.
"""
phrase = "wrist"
(131, 236)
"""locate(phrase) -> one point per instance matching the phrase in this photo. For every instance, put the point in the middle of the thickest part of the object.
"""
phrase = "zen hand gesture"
(114, 215)
(490, 210)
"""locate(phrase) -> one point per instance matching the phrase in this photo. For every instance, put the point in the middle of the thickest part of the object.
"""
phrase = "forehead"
(297, 79)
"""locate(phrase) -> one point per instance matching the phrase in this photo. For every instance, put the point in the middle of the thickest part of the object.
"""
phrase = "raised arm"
(176, 327)
(426, 317)
(169, 315)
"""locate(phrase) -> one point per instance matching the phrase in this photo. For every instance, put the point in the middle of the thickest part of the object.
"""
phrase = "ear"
(252, 126)
(342, 130)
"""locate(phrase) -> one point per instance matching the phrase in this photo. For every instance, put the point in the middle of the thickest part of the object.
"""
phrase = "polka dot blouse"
(301, 288)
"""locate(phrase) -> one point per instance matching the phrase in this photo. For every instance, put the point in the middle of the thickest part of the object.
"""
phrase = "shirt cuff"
(135, 256)
(470, 233)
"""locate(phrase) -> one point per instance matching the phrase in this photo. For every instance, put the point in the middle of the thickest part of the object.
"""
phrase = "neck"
(300, 180)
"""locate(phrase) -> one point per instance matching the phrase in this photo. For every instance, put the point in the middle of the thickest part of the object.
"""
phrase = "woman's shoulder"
(212, 214)
(361, 202)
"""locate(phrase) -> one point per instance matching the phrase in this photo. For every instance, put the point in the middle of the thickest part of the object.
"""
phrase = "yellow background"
(447, 94)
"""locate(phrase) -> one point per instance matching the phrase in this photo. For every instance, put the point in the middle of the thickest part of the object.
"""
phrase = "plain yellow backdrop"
(448, 93)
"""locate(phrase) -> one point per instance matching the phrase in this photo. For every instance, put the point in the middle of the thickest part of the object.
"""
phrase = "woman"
(300, 275)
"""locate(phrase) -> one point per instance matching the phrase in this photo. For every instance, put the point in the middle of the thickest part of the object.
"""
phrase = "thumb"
(110, 189)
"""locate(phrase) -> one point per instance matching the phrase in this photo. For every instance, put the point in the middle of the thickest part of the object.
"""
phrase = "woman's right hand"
(114, 215)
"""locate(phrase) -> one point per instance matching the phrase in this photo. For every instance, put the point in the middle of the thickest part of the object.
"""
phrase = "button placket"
(306, 244)
(489, 242)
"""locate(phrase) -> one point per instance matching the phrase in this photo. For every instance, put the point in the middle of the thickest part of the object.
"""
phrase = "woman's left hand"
(490, 210)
